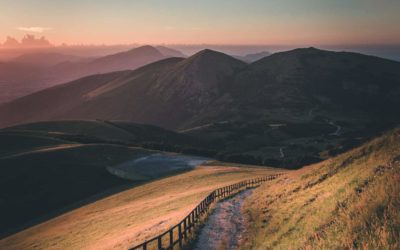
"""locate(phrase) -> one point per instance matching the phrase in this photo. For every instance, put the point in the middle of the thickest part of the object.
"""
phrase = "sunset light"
(205, 125)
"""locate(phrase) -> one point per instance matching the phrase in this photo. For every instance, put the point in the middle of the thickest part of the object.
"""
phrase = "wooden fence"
(177, 235)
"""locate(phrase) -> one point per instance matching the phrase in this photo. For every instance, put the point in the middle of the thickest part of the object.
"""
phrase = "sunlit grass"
(350, 201)
(130, 217)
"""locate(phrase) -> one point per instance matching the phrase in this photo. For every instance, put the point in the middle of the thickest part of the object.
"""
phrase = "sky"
(284, 22)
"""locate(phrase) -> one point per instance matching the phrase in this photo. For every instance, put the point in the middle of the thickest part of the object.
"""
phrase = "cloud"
(34, 29)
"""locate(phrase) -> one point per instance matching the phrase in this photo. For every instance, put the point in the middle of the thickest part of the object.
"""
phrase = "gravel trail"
(225, 226)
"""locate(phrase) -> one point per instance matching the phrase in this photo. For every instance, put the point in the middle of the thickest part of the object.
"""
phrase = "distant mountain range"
(211, 86)
(295, 107)
(45, 59)
(42, 70)
(167, 93)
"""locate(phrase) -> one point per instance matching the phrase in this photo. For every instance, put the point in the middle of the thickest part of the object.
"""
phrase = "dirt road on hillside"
(225, 226)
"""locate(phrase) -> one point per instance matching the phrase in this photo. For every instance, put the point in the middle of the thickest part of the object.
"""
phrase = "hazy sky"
(292, 22)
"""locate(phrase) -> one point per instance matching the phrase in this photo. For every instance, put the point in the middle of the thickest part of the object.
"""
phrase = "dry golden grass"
(130, 217)
(348, 202)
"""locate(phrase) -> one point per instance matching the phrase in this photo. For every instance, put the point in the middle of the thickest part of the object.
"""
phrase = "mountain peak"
(208, 52)
(145, 49)
(308, 50)
(207, 56)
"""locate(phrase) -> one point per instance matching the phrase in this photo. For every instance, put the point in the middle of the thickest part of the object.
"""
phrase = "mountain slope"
(43, 70)
(49, 179)
(126, 60)
(303, 106)
(46, 59)
(51, 102)
(168, 52)
(144, 211)
(13, 84)
(166, 93)
(347, 202)
(304, 78)
(90, 131)
(287, 109)
(53, 167)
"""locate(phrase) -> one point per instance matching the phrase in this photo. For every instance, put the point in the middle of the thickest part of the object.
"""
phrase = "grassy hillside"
(129, 217)
(349, 201)
(288, 109)
(115, 132)
(283, 143)
(40, 182)
(52, 167)
(262, 142)
(15, 143)
(85, 128)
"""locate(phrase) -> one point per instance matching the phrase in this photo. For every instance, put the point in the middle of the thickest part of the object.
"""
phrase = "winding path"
(225, 226)
(338, 128)
(282, 154)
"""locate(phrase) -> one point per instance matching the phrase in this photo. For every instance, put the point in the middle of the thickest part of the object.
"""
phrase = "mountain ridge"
(45, 70)
(211, 86)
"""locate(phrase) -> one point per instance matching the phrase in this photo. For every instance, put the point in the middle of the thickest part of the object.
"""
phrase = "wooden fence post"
(171, 238)
(180, 235)
(184, 229)
(194, 217)
(159, 242)
(189, 224)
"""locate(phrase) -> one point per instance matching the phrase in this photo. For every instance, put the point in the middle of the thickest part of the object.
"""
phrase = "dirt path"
(282, 155)
(338, 128)
(225, 226)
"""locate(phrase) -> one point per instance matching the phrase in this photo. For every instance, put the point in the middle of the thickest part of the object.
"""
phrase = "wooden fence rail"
(177, 234)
